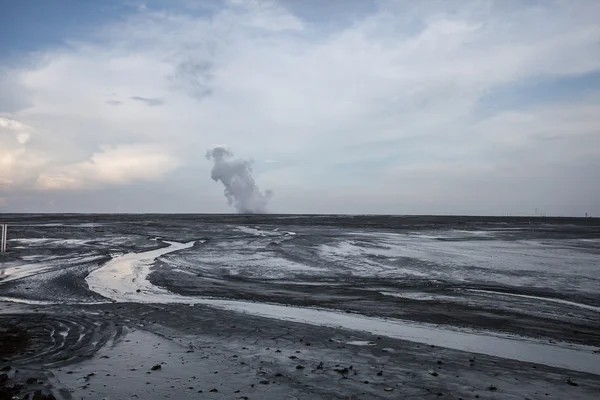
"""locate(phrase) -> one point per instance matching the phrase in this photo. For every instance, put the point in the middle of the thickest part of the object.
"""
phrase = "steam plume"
(236, 175)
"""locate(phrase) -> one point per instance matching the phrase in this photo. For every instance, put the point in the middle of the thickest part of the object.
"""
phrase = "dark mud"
(75, 343)
(200, 349)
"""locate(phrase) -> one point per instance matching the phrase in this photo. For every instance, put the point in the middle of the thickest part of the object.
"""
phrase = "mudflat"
(223, 306)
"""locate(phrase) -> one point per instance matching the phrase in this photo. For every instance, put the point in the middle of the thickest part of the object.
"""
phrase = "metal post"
(4, 233)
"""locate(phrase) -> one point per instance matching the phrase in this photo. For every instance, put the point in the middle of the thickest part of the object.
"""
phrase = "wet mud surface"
(198, 320)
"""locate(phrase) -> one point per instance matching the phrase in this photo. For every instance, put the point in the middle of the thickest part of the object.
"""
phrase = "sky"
(346, 106)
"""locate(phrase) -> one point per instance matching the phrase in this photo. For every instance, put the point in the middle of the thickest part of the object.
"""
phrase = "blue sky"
(383, 106)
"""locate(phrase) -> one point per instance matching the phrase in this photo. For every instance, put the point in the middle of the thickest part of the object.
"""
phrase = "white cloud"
(403, 83)
(119, 165)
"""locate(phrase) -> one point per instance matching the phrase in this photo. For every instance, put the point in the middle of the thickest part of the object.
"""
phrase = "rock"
(380, 373)
(293, 357)
(278, 374)
(138, 291)
(213, 390)
(299, 367)
(492, 388)
(320, 366)
(388, 389)
(264, 382)
(570, 382)
(440, 362)
(342, 370)
(433, 373)
(31, 381)
(156, 367)
(367, 382)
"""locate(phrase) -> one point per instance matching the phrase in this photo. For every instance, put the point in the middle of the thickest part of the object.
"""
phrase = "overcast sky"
(345, 106)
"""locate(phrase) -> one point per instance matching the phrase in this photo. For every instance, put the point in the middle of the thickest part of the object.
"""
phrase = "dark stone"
(264, 382)
(570, 382)
(138, 291)
(433, 373)
(380, 373)
(492, 388)
(320, 366)
(299, 367)
(31, 381)
(366, 382)
(213, 390)
(156, 367)
(293, 357)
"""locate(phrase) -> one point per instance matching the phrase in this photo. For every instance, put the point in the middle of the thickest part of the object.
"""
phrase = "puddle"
(360, 343)
(124, 278)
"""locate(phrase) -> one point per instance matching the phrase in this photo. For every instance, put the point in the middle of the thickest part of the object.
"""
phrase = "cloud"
(383, 107)
(15, 161)
(149, 101)
(116, 166)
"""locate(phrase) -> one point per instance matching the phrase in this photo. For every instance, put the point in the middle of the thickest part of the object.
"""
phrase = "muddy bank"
(200, 349)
